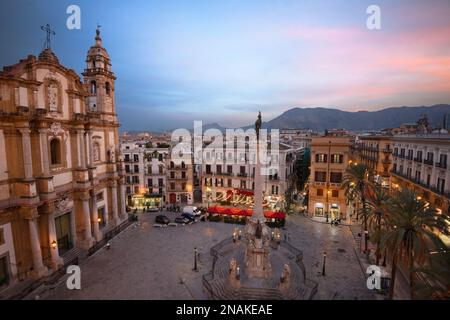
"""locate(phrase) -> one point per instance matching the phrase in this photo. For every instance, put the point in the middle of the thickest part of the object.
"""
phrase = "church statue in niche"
(112, 154)
(96, 151)
(52, 96)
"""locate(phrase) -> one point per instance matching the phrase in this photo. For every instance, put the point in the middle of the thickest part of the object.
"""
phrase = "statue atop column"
(258, 124)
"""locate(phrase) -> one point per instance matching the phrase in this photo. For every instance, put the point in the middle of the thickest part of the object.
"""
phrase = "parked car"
(181, 220)
(152, 209)
(192, 210)
(162, 219)
(189, 217)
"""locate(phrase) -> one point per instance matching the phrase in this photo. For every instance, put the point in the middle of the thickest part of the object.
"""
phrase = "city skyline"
(215, 63)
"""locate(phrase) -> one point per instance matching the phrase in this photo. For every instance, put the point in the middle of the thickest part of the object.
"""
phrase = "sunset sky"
(222, 61)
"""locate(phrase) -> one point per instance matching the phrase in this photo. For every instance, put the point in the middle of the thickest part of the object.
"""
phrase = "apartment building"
(180, 181)
(233, 176)
(375, 152)
(297, 138)
(145, 174)
(421, 163)
(329, 160)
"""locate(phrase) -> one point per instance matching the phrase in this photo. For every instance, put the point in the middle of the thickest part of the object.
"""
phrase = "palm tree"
(355, 181)
(411, 233)
(436, 277)
(350, 193)
(376, 214)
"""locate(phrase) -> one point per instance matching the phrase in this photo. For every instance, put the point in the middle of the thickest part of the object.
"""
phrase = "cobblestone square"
(146, 262)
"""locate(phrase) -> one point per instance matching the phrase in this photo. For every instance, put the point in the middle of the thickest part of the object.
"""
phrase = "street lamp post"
(324, 261)
(195, 259)
(328, 205)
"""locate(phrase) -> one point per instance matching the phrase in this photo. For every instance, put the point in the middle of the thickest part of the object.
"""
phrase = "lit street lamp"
(324, 261)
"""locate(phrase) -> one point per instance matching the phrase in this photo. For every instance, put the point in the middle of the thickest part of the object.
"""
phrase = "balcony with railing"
(131, 171)
(176, 177)
(418, 182)
(335, 184)
(416, 159)
(429, 162)
(155, 173)
(369, 148)
(177, 189)
(442, 165)
(155, 186)
(370, 158)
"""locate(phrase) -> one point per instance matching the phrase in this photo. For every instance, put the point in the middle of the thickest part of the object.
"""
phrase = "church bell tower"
(99, 80)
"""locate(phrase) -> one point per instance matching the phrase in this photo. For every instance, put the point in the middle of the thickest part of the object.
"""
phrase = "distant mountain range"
(320, 119)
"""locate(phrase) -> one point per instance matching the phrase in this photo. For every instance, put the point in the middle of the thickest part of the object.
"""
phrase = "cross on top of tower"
(98, 39)
(49, 31)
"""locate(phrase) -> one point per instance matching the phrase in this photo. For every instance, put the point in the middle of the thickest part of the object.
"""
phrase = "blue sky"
(222, 61)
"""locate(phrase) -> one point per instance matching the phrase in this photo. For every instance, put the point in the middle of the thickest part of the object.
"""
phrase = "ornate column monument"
(257, 258)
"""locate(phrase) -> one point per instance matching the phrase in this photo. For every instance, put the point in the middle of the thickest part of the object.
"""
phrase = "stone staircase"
(259, 294)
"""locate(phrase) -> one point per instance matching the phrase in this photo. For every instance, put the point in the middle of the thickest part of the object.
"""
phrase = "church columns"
(122, 199)
(39, 269)
(96, 227)
(73, 226)
(87, 240)
(115, 210)
(87, 220)
(81, 149)
(26, 152)
(44, 152)
(90, 148)
(57, 261)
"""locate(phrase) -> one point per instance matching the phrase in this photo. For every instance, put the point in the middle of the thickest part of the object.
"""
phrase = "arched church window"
(108, 88)
(55, 151)
(93, 87)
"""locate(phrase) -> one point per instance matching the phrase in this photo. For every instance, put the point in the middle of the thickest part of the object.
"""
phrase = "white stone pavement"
(148, 263)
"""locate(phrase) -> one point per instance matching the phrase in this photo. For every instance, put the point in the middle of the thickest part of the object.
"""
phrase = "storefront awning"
(244, 212)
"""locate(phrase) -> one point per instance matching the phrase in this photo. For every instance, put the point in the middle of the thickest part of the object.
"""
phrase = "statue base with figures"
(256, 268)
(257, 260)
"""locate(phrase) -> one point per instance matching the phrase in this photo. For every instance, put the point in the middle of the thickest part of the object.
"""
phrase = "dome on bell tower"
(97, 60)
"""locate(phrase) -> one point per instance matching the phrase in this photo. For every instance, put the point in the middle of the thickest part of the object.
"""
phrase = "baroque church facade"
(61, 175)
